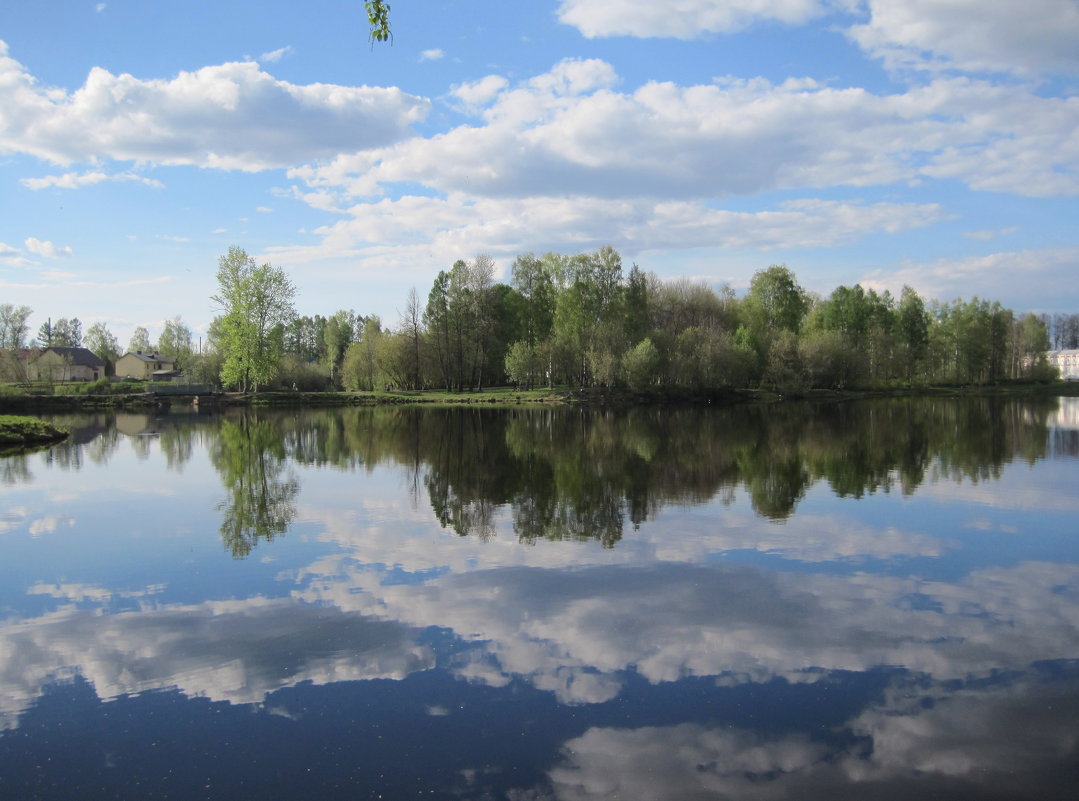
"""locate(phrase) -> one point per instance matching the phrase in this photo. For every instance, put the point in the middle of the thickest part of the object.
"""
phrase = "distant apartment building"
(1067, 361)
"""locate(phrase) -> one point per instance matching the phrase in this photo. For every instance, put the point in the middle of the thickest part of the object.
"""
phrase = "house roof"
(150, 356)
(81, 357)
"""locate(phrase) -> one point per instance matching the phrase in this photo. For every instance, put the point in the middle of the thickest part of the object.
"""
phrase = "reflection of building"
(1067, 416)
(143, 365)
(1067, 361)
(134, 424)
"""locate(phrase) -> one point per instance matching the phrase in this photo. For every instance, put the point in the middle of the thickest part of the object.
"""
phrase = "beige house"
(64, 364)
(143, 365)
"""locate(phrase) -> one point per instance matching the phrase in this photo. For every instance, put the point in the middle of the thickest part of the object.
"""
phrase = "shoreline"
(505, 396)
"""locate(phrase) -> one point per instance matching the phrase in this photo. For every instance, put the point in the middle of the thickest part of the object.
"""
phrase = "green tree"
(913, 331)
(140, 341)
(46, 334)
(641, 364)
(776, 302)
(256, 304)
(100, 341)
(340, 330)
(175, 341)
(13, 325)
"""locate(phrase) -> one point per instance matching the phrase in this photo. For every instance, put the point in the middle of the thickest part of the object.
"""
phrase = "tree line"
(584, 321)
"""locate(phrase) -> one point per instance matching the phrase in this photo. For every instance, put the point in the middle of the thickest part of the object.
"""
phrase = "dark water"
(873, 600)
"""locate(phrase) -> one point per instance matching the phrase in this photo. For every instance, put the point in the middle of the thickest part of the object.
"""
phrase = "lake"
(848, 600)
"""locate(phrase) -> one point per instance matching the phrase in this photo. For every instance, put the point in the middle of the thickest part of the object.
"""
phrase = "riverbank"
(11, 403)
(17, 431)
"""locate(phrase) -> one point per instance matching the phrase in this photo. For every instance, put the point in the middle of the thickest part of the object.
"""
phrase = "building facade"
(143, 364)
(1067, 361)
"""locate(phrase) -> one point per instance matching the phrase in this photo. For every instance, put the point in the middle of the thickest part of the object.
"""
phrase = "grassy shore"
(17, 431)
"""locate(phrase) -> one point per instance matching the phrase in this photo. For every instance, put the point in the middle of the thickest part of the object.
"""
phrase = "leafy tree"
(776, 302)
(46, 334)
(361, 369)
(67, 333)
(913, 331)
(256, 304)
(524, 364)
(100, 341)
(13, 325)
(140, 341)
(175, 341)
(532, 278)
(641, 364)
(411, 354)
(339, 331)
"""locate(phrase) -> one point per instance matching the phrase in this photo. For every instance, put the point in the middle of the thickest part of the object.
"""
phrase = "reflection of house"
(64, 364)
(1067, 361)
(143, 365)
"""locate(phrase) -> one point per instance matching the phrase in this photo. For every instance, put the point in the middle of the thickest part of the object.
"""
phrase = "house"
(64, 364)
(1067, 361)
(143, 364)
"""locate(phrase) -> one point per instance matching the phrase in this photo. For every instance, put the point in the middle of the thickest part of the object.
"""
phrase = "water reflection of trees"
(581, 474)
(249, 455)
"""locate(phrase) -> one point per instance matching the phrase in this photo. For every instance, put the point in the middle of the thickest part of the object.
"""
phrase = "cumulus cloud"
(1028, 38)
(687, 19)
(1032, 38)
(568, 132)
(435, 54)
(46, 249)
(213, 117)
(479, 93)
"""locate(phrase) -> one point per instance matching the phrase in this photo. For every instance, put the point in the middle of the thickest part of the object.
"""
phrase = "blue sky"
(888, 142)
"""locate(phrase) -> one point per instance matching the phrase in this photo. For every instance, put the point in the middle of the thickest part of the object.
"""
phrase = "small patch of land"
(18, 431)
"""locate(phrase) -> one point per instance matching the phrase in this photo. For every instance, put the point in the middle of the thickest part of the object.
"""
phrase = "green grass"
(21, 430)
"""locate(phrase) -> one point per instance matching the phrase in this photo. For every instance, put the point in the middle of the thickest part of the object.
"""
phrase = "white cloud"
(212, 117)
(277, 55)
(687, 19)
(567, 132)
(264, 209)
(1019, 275)
(479, 93)
(74, 180)
(100, 7)
(1029, 38)
(46, 249)
(985, 235)
(437, 230)
(435, 54)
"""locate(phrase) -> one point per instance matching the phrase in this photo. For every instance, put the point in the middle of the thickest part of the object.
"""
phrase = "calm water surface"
(875, 599)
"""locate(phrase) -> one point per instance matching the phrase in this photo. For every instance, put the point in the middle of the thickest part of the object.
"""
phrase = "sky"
(930, 143)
